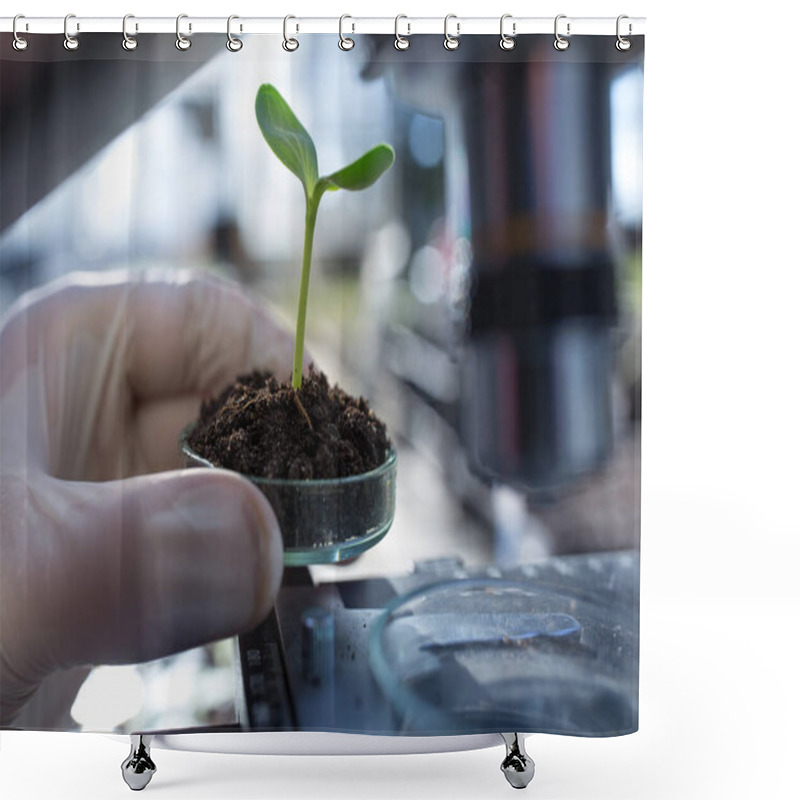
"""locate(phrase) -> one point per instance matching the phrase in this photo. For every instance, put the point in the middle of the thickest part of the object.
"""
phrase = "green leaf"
(287, 138)
(363, 172)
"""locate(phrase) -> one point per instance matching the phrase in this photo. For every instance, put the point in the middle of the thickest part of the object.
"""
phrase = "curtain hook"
(289, 45)
(128, 42)
(181, 42)
(70, 42)
(19, 43)
(622, 44)
(345, 42)
(233, 44)
(561, 43)
(451, 42)
(401, 42)
(507, 42)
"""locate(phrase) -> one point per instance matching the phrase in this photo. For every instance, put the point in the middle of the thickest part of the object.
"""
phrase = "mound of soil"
(261, 427)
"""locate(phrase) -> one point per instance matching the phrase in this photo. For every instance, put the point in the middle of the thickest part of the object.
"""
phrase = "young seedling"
(295, 149)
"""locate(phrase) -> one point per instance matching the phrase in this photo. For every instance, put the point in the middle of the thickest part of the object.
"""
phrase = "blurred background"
(544, 167)
(485, 295)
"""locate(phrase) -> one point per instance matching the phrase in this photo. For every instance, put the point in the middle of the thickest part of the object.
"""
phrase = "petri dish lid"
(479, 655)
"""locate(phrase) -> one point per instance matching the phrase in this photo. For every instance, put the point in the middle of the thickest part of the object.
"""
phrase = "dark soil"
(257, 427)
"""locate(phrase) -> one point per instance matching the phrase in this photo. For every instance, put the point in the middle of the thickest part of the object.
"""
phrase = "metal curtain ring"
(289, 45)
(622, 44)
(233, 44)
(181, 42)
(346, 43)
(507, 42)
(19, 43)
(128, 42)
(561, 43)
(70, 42)
(401, 42)
(451, 42)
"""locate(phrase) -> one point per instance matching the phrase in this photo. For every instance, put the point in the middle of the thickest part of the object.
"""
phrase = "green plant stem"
(312, 204)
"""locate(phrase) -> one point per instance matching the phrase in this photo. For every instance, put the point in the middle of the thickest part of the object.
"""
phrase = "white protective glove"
(103, 562)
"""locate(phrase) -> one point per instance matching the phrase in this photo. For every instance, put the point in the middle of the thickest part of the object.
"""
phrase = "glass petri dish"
(483, 655)
(324, 521)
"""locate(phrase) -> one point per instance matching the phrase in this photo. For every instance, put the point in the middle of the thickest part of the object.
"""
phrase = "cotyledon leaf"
(286, 136)
(363, 172)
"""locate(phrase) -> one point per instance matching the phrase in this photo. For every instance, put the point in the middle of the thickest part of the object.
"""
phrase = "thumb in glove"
(102, 564)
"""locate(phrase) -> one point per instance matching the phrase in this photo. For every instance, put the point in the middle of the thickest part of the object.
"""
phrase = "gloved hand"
(109, 552)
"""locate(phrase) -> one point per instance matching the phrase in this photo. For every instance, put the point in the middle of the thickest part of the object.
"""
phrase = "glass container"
(327, 520)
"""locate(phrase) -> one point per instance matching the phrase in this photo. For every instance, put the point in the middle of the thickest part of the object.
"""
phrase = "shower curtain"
(483, 295)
